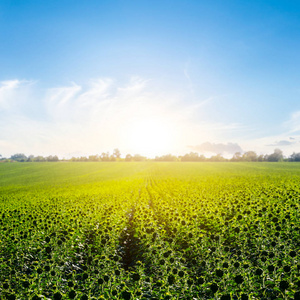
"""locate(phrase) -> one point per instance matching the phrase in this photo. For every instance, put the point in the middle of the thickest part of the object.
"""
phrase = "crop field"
(149, 231)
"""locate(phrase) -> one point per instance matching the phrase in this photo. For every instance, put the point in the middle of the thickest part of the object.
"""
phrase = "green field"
(149, 230)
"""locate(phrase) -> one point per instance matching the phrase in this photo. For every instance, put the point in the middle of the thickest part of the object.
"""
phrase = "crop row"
(159, 235)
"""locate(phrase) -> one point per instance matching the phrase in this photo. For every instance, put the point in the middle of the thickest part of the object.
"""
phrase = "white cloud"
(9, 93)
(98, 117)
(281, 143)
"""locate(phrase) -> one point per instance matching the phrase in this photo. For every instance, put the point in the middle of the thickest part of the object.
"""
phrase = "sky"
(149, 77)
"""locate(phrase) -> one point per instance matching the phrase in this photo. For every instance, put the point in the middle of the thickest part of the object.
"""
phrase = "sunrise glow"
(150, 136)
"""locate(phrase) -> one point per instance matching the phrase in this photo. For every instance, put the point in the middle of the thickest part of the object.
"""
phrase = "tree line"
(249, 156)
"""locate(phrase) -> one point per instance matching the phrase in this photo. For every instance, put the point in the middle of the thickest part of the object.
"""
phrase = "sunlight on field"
(149, 230)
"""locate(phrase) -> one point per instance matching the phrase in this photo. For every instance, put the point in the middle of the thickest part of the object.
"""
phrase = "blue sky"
(84, 77)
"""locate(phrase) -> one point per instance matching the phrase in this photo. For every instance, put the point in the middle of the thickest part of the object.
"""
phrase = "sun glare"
(150, 137)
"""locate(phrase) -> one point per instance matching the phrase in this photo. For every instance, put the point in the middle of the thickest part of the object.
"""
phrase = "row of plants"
(166, 232)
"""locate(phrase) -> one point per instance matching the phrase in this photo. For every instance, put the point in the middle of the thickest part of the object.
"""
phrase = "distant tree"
(104, 156)
(117, 153)
(39, 158)
(51, 158)
(250, 156)
(19, 157)
(260, 158)
(202, 158)
(168, 157)
(94, 157)
(30, 158)
(138, 157)
(237, 156)
(112, 158)
(294, 157)
(128, 157)
(276, 156)
(192, 156)
(82, 158)
(217, 157)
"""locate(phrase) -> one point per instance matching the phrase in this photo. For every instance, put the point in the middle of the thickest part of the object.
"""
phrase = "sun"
(150, 137)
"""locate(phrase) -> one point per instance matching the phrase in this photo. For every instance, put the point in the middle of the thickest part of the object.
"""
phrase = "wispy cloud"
(90, 118)
(293, 124)
(281, 143)
(188, 77)
(13, 93)
(96, 117)
(193, 108)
